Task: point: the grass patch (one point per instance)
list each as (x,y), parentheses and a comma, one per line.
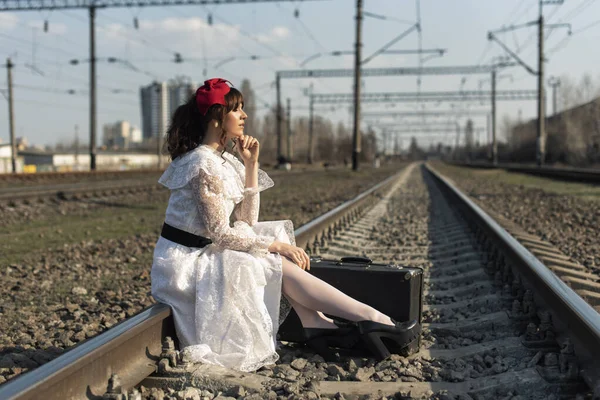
(297,196)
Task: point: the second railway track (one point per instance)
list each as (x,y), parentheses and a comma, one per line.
(497,323)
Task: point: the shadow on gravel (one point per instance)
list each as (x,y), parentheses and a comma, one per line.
(114,205)
(19,359)
(451,247)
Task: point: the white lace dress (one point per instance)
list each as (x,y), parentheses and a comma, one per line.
(226,296)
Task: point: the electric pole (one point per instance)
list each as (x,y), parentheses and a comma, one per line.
(457,141)
(489,135)
(92,10)
(541,131)
(279,119)
(554,84)
(11,117)
(357,62)
(541,134)
(91,6)
(494,141)
(289,129)
(310,125)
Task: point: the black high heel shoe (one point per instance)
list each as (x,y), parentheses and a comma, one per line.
(398,336)
(321,340)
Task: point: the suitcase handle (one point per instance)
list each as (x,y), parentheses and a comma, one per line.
(360,260)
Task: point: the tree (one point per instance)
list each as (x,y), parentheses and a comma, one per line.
(506,130)
(469,138)
(414,151)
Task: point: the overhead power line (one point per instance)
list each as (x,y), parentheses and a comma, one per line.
(23,5)
(344,73)
(92,6)
(475,95)
(420,113)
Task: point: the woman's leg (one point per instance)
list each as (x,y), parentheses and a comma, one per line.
(310,318)
(314,294)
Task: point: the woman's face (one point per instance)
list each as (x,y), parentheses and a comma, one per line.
(233,123)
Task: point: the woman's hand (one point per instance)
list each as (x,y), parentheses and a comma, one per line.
(295,254)
(248,148)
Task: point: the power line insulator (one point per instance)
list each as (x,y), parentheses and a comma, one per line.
(46,25)
(136,23)
(210,19)
(178,58)
(296,13)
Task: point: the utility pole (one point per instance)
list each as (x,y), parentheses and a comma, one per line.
(289,129)
(457,140)
(541,133)
(357,62)
(311,107)
(494,141)
(11,117)
(488,137)
(554,83)
(91,6)
(541,130)
(92,10)
(158,149)
(279,118)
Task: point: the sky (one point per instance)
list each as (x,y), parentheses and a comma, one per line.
(45,113)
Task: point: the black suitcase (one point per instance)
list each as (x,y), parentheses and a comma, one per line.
(394,290)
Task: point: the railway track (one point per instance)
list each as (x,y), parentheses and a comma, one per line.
(497,322)
(25,179)
(76,185)
(48,178)
(561,173)
(66,191)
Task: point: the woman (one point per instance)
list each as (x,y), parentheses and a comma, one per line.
(224,283)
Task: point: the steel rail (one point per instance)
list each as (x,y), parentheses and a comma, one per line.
(585,175)
(73,189)
(571,315)
(129,349)
(132,348)
(24,176)
(67,191)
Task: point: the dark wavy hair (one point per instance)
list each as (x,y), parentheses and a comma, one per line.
(188,127)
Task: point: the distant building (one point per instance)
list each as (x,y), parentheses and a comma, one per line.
(179,93)
(42,161)
(117,135)
(155,110)
(572,136)
(121,135)
(22,143)
(135,135)
(159,101)
(6,161)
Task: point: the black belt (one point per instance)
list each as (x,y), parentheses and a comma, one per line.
(182,237)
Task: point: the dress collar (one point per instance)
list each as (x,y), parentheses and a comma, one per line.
(211,149)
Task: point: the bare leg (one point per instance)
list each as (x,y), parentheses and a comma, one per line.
(311,318)
(315,294)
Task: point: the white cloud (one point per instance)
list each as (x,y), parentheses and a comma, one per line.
(280,32)
(8,21)
(184,35)
(276,34)
(187,34)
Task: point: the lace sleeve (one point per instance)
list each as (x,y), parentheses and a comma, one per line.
(249,207)
(210,197)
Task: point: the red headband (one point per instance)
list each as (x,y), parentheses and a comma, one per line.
(212,92)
